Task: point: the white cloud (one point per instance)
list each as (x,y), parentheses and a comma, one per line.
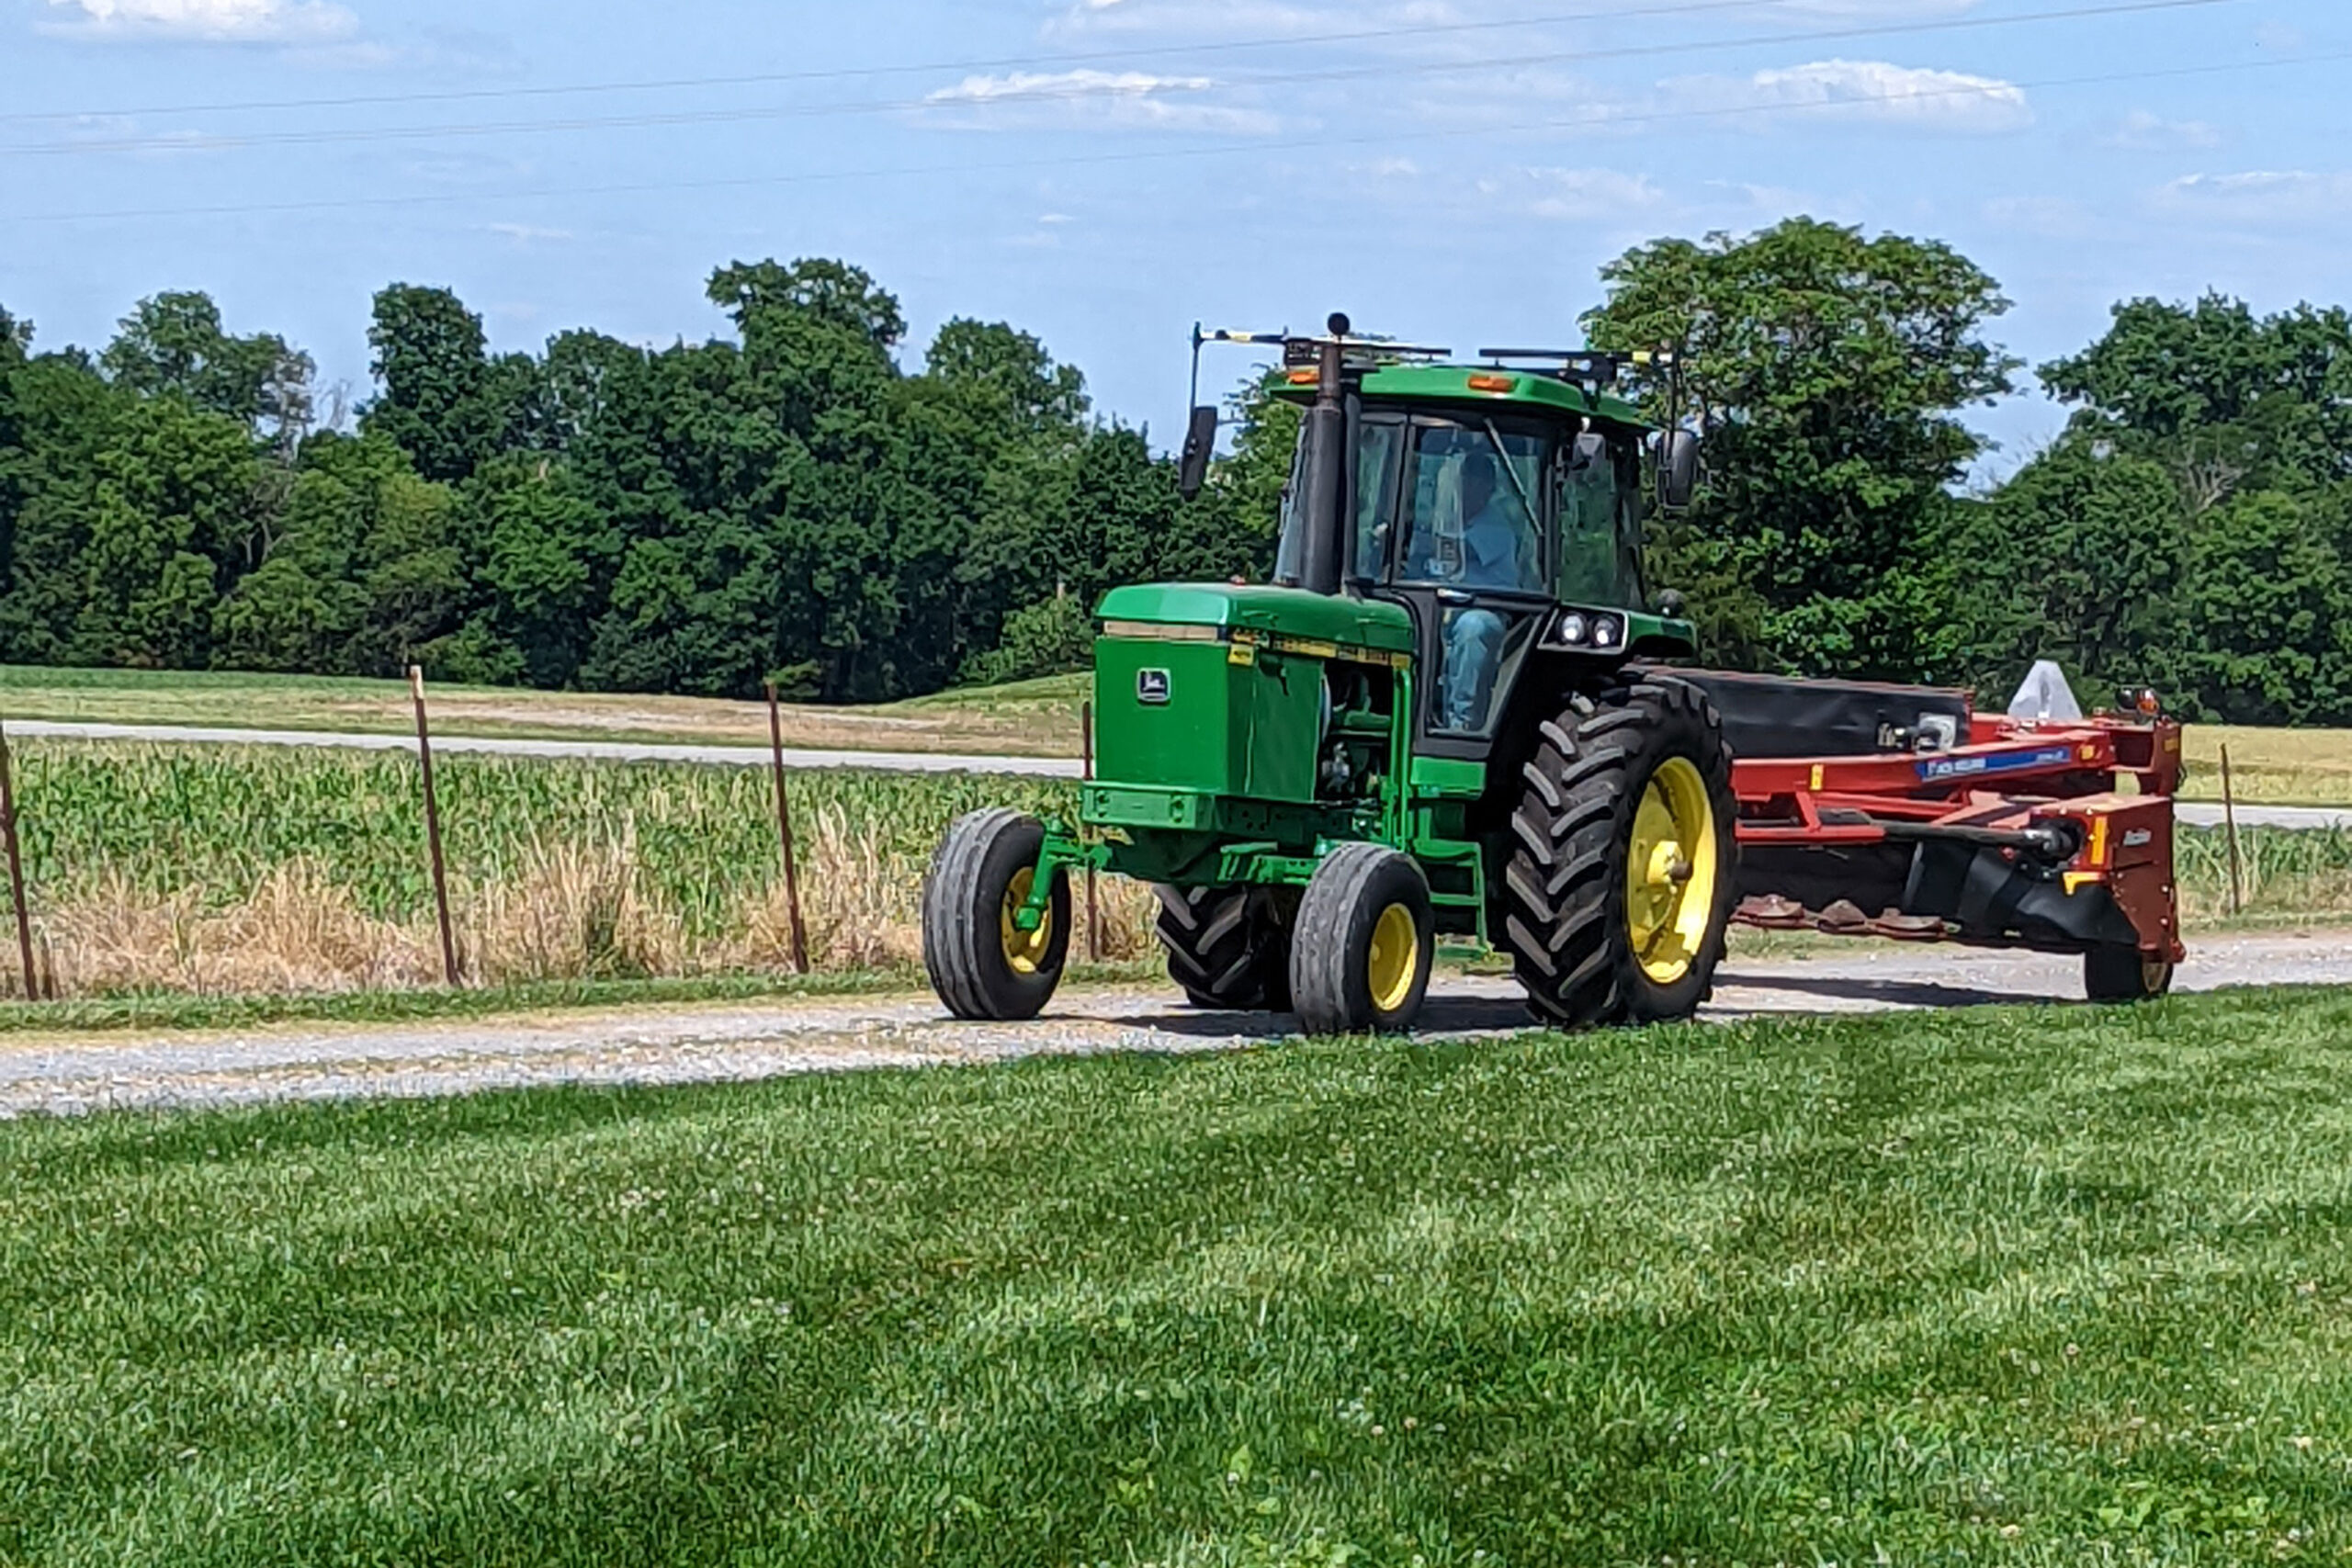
(2046,217)
(1867,89)
(206,21)
(1118,97)
(2142,132)
(2259,196)
(1579,194)
(530,234)
(1068,84)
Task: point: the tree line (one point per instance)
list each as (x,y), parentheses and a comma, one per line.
(789,505)
(797,502)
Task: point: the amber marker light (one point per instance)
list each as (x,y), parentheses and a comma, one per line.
(1494,383)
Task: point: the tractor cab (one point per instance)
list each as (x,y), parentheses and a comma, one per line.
(1501,508)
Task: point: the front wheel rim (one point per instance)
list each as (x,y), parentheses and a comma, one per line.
(1025,952)
(1671,866)
(1394,962)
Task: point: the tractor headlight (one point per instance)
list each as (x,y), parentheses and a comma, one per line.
(1604,631)
(1572,628)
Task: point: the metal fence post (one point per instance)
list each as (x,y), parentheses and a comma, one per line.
(1086,755)
(17,869)
(433,830)
(2229,817)
(784,833)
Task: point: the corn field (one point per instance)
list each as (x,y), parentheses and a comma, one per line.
(2280,873)
(232,869)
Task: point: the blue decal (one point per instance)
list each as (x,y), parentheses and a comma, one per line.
(1943,770)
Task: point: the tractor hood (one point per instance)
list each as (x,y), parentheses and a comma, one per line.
(1287,612)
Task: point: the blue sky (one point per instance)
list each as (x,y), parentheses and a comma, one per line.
(1105,172)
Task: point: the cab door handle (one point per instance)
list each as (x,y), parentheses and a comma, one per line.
(1453,596)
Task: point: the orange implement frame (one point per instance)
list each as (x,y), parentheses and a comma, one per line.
(2074,810)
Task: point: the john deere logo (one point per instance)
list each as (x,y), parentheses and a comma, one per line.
(1151,688)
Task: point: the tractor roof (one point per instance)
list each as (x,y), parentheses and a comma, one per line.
(1534,391)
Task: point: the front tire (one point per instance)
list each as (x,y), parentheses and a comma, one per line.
(1624,860)
(1228,947)
(1366,937)
(983,965)
(2116,973)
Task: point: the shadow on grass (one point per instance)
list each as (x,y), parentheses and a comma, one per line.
(1890,993)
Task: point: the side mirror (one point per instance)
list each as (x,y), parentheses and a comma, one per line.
(1677,469)
(1200,446)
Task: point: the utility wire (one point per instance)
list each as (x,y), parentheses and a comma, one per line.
(1589,122)
(1064,92)
(848,73)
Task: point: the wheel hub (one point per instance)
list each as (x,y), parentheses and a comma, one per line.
(1670,871)
(1024,951)
(1395,960)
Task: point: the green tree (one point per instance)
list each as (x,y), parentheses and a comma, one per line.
(1825,370)
(174,344)
(2267,615)
(361,575)
(2078,557)
(444,401)
(2228,401)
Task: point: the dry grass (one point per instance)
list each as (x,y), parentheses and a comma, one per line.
(295,931)
(573,910)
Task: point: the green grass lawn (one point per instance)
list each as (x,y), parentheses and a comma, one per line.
(2053,1287)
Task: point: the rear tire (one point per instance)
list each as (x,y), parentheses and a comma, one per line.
(1228,947)
(2117,973)
(1609,915)
(1361,953)
(983,966)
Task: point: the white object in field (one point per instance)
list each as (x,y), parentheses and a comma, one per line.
(2045,696)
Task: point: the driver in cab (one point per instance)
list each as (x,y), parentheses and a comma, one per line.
(1491,554)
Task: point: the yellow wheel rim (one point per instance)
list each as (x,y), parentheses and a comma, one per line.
(1671,870)
(1394,962)
(1024,951)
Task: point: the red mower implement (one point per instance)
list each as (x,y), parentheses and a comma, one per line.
(1900,812)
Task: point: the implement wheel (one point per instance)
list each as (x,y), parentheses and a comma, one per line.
(2116,973)
(1228,947)
(983,965)
(1625,864)
(1361,953)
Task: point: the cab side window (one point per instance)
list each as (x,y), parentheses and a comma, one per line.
(1593,504)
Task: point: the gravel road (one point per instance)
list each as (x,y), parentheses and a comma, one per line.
(736,1043)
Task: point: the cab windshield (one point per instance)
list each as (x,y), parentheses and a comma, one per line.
(1474,513)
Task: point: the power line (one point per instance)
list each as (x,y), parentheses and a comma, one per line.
(1072,93)
(1006,63)
(1165,154)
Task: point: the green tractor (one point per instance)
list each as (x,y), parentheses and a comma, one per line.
(1437,723)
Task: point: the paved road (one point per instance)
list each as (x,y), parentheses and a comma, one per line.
(600,751)
(736,1043)
(2297,816)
